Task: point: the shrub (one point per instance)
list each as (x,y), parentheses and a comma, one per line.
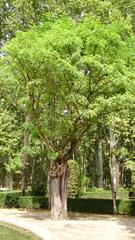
(126,207)
(73,180)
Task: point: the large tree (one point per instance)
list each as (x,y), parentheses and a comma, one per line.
(66,74)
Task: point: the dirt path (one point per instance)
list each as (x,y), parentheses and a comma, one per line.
(78,227)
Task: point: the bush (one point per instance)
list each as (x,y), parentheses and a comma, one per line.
(73,180)
(126,207)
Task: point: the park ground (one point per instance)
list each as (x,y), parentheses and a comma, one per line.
(77,227)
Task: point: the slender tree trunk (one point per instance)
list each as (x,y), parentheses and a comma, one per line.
(33,182)
(49,187)
(58,181)
(114,168)
(25,156)
(49,191)
(9,181)
(99,157)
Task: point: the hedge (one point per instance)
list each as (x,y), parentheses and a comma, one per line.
(32,202)
(15,199)
(103,206)
(9,199)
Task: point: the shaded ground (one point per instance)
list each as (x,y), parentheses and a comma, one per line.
(78,227)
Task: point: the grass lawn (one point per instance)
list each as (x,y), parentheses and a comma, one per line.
(105,194)
(13,233)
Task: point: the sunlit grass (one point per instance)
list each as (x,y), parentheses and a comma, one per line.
(12,233)
(105,194)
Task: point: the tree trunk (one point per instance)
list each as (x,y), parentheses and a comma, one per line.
(99,156)
(114,168)
(9,181)
(58,181)
(25,156)
(112,165)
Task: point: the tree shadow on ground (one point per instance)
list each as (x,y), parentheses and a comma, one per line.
(89,216)
(128,224)
(36,215)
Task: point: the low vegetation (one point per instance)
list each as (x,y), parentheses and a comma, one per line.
(11,233)
(89,205)
(105,194)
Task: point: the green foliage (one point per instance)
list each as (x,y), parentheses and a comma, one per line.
(90,55)
(104,194)
(91,205)
(104,206)
(31,202)
(14,199)
(126,207)
(9,199)
(84,181)
(73,179)
(130,164)
(70,70)
(10,136)
(126,8)
(39,181)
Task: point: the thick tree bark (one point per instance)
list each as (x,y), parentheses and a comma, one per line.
(58,181)
(25,156)
(59,172)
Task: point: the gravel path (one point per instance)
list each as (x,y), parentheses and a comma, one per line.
(78,227)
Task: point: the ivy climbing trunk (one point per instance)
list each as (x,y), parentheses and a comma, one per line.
(58,181)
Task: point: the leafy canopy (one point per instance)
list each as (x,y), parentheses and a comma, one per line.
(70,73)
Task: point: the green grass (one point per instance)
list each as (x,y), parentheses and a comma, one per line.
(13,233)
(105,194)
